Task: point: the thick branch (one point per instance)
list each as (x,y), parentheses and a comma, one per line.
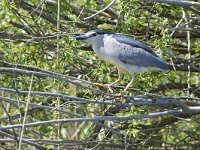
(109,118)
(178,2)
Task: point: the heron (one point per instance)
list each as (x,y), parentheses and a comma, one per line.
(126,53)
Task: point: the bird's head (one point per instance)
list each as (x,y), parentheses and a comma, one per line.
(92,36)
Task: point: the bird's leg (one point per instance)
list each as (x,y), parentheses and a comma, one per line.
(126,88)
(118,80)
(108,86)
(128,85)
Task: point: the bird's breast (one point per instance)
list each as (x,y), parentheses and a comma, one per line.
(110,57)
(109,51)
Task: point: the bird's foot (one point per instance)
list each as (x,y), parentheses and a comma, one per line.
(105,86)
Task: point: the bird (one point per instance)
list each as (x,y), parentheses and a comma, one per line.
(126,53)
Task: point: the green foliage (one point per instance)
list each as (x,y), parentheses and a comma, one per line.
(29,43)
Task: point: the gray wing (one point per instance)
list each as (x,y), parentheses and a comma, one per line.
(139,57)
(134,43)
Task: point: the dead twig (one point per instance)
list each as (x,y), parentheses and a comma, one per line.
(109,5)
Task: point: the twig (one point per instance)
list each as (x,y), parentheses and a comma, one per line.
(58,66)
(9,100)
(32,68)
(46,74)
(110,12)
(28,38)
(100,10)
(63,96)
(72,142)
(9,119)
(174,29)
(27,141)
(189,54)
(25,114)
(55,109)
(174,85)
(17,116)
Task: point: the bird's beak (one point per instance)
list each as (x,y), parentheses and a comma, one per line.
(82,37)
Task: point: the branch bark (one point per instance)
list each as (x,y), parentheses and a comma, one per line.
(108,118)
(178,2)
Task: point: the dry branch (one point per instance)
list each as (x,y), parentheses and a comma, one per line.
(46,74)
(108,118)
(179,2)
(109,5)
(9,100)
(37,146)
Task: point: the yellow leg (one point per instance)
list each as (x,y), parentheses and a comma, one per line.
(108,86)
(118,80)
(126,88)
(128,85)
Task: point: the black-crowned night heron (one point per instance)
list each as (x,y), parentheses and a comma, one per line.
(128,54)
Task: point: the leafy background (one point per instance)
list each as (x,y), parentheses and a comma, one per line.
(47,78)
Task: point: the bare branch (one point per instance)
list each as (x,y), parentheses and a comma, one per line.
(10,122)
(29,112)
(109,118)
(113,1)
(9,100)
(24,37)
(46,74)
(131,101)
(37,106)
(24,140)
(73,142)
(178,2)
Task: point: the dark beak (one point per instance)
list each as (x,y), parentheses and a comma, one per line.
(82,37)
